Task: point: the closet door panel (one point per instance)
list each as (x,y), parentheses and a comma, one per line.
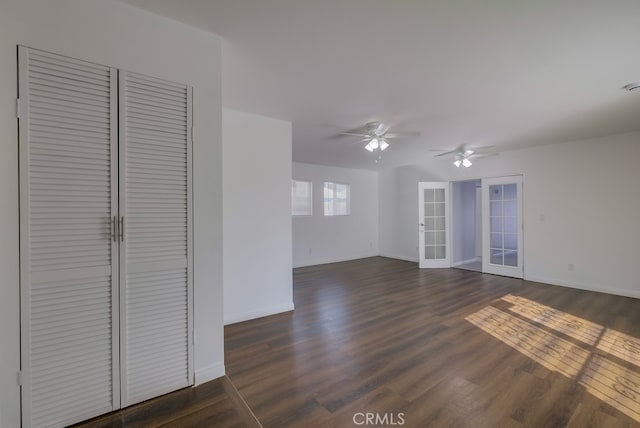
(68,265)
(155,205)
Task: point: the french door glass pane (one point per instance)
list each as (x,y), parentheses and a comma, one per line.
(496,224)
(434,224)
(496,208)
(510,208)
(510,241)
(510,191)
(429,209)
(495,193)
(429,195)
(430,238)
(430,223)
(511,225)
(503,224)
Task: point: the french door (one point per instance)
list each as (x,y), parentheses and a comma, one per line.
(105,238)
(433,222)
(502,226)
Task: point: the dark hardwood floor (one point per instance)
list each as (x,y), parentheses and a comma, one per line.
(379,338)
(212,404)
(379,342)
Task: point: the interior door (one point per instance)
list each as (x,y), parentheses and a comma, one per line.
(68,264)
(502,226)
(433,220)
(155,233)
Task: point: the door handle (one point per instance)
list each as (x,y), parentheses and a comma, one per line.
(122,228)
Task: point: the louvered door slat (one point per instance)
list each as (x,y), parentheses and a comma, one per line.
(67,148)
(155,202)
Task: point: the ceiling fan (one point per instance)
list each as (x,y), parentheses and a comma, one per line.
(463,154)
(377,136)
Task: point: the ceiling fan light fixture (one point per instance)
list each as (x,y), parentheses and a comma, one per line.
(466,163)
(383,145)
(374,143)
(468,153)
(368,147)
(457,163)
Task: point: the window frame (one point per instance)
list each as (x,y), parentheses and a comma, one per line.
(347,199)
(310,198)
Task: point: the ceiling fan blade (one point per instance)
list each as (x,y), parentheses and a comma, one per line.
(446,153)
(355,134)
(402,135)
(363,140)
(482,155)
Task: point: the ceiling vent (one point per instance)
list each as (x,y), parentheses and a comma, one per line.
(632,87)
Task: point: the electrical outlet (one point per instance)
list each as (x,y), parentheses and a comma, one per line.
(310,250)
(571,267)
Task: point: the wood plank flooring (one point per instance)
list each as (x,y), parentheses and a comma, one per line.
(212,404)
(380,338)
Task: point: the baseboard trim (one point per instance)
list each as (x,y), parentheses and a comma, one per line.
(258,313)
(399,257)
(335,260)
(580,286)
(464,262)
(211,372)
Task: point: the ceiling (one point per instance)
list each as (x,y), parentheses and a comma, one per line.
(494,72)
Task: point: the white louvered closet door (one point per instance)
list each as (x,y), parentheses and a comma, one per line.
(68,197)
(155,254)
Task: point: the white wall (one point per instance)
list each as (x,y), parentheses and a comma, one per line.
(319,239)
(112,33)
(398,210)
(580,207)
(257,216)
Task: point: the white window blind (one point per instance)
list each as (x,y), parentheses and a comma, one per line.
(336,199)
(301,198)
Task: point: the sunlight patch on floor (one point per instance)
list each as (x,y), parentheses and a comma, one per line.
(621,345)
(551,351)
(613,384)
(608,381)
(578,328)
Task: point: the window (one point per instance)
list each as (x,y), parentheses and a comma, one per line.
(301,201)
(336,199)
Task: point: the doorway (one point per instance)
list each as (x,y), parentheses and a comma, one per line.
(466,225)
(475,225)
